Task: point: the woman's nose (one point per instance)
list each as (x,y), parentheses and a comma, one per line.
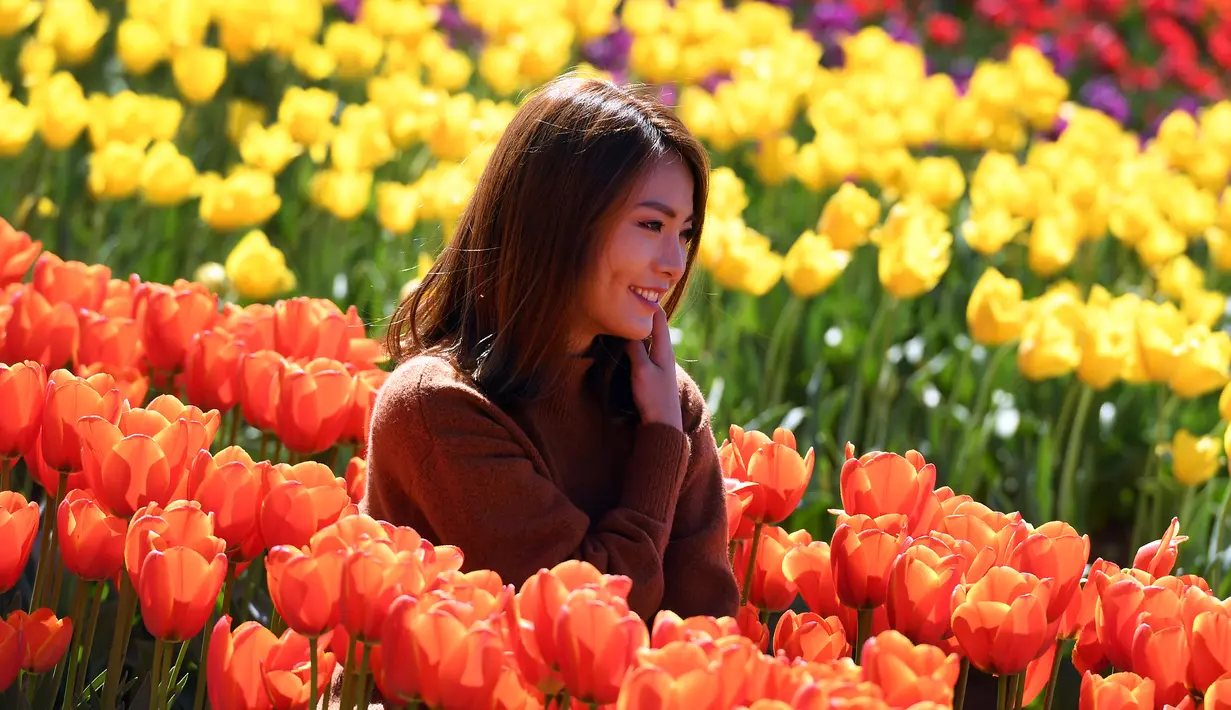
(671,259)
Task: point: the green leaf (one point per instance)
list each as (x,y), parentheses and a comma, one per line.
(1044,470)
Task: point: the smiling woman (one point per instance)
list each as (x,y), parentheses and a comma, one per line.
(537,414)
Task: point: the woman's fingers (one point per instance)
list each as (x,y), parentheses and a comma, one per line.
(661,352)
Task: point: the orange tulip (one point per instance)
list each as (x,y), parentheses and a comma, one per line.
(1217,696)
(212,369)
(1119,607)
(885,483)
(861,557)
(259,380)
(22,388)
(306,588)
(652,688)
(143,457)
(441,661)
(356,478)
(1000,621)
(17,253)
(355,531)
(1211,648)
(118,300)
(286,671)
(310,328)
(314,404)
(748,618)
(133,385)
(780,473)
(921,585)
(252,326)
(1119,691)
(110,341)
(180,524)
(171,316)
(69,399)
(738,498)
(91,541)
(46,638)
(233,672)
(596,642)
(373,576)
(1054,550)
(983,527)
(38,329)
(18,527)
(908,673)
(812,637)
(299,501)
(769,587)
(228,485)
(12,648)
(179,588)
(366,384)
(79,285)
(1161,653)
(1158,557)
(669,627)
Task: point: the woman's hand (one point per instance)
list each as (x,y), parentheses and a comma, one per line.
(655,389)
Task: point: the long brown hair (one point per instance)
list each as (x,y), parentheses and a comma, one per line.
(498,301)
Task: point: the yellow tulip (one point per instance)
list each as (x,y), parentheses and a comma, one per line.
(17,15)
(115,170)
(314,61)
(1194,460)
(727,197)
(167,177)
(1202,359)
(828,160)
(1051,339)
(268,149)
(848,217)
(257,269)
(498,67)
(62,110)
(940,181)
(1162,243)
(344,194)
(1108,341)
(246,198)
(812,264)
(240,115)
(354,47)
(36,61)
(1132,217)
(988,230)
(397,206)
(140,46)
(1160,328)
(1219,243)
(361,142)
(199,73)
(1178,276)
(995,313)
(1204,307)
(1224,403)
(308,114)
(1177,137)
(1053,242)
(450,71)
(912,263)
(774,160)
(17,124)
(73,28)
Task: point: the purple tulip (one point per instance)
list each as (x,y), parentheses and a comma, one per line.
(713,81)
(830,18)
(350,8)
(609,52)
(458,30)
(1102,94)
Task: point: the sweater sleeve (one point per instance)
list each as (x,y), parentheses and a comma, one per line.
(480,485)
(697,572)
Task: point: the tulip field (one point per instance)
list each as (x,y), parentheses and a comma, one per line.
(961,317)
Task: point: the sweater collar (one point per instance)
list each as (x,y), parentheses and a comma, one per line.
(568,388)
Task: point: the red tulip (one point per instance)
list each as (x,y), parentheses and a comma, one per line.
(12,649)
(1158,557)
(769,589)
(314,405)
(1211,648)
(170,317)
(115,342)
(1000,621)
(46,638)
(233,672)
(861,557)
(306,588)
(79,285)
(38,329)
(812,637)
(68,400)
(888,484)
(91,541)
(910,674)
(18,527)
(310,328)
(299,501)
(17,253)
(22,388)
(921,585)
(1121,691)
(228,485)
(259,380)
(286,671)
(212,369)
(179,588)
(597,642)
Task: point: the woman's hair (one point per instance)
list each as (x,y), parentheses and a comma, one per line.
(499,300)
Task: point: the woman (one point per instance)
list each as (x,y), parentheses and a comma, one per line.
(528,422)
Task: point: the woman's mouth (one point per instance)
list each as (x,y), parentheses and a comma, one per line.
(648,296)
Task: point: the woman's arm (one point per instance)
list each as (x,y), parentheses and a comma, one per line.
(696,569)
(481,485)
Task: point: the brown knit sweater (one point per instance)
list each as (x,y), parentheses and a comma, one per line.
(556,479)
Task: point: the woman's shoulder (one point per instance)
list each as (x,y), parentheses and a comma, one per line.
(428,385)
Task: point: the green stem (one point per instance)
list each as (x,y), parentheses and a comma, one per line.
(854,417)
(74,688)
(1002,692)
(168,695)
(156,674)
(365,691)
(959,692)
(752,563)
(125,606)
(1072,454)
(348,676)
(1149,483)
(312,689)
(1049,695)
(778,357)
(1020,695)
(6,469)
(76,610)
(961,474)
(1213,570)
(863,632)
(46,565)
(198,700)
(233,435)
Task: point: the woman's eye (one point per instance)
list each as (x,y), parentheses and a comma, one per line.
(687,234)
(653,225)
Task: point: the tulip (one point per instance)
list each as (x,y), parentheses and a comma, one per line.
(862,555)
(1194,460)
(908,673)
(172,316)
(889,484)
(91,541)
(80,285)
(1217,696)
(22,388)
(448,665)
(306,588)
(46,638)
(812,637)
(17,253)
(314,404)
(257,269)
(848,216)
(111,341)
(38,329)
(293,510)
(367,384)
(199,72)
(1202,359)
(18,527)
(1211,648)
(669,628)
(921,584)
(180,524)
(763,582)
(12,649)
(287,670)
(1121,603)
(1054,550)
(260,378)
(212,370)
(233,673)
(178,591)
(228,486)
(1158,557)
(654,687)
(1120,691)
(68,400)
(597,643)
(356,478)
(310,328)
(1161,653)
(1000,621)
(812,264)
(995,312)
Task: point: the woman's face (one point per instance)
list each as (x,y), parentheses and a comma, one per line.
(642,258)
